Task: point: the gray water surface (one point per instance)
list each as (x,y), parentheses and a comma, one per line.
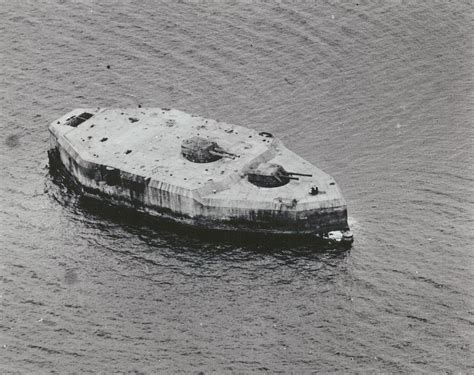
(379,95)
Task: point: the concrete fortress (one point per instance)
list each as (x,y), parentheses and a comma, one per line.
(197,171)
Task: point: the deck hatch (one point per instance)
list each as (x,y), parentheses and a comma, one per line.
(75,121)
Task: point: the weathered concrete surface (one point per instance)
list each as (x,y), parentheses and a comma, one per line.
(133,157)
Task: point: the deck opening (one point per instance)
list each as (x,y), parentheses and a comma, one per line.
(75,121)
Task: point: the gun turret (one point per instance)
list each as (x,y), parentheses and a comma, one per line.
(272,175)
(203,150)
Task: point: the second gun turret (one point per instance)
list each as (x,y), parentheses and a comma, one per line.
(272,175)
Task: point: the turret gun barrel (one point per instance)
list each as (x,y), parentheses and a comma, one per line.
(222,153)
(299,174)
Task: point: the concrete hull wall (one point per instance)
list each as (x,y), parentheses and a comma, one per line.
(180,205)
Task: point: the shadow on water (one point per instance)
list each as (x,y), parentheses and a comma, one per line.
(156,232)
